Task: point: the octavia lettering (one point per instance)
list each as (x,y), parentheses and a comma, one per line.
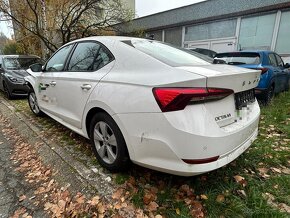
(223,117)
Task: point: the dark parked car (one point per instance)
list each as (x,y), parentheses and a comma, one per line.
(274,76)
(207,52)
(12,72)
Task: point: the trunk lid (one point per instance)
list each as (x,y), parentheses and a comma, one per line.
(225,76)
(235,107)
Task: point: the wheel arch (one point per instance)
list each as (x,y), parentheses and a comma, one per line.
(99,108)
(30,82)
(29,85)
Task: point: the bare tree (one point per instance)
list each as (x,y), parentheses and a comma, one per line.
(56,22)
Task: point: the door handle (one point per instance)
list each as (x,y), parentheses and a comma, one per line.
(52,83)
(86,87)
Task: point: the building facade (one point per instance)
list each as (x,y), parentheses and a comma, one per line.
(222,25)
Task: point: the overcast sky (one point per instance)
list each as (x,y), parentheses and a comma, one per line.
(143,8)
(147,7)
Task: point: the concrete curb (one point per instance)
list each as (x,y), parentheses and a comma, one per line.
(71,172)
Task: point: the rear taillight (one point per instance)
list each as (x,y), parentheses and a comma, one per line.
(264,70)
(174,99)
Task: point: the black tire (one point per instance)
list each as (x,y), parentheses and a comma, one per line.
(269,94)
(287,85)
(106,146)
(8,95)
(34,106)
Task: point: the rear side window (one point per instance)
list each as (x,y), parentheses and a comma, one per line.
(239,58)
(279,61)
(272,60)
(89,56)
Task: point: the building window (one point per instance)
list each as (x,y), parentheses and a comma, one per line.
(215,30)
(257,32)
(283,45)
(173,36)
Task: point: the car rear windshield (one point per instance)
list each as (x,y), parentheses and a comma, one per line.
(19,63)
(238,58)
(169,54)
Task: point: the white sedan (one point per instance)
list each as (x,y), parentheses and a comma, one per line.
(147,102)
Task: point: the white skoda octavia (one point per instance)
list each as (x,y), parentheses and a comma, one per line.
(141,100)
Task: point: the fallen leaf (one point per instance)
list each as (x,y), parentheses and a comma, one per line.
(242,193)
(276,170)
(22,198)
(152,206)
(184,188)
(101,209)
(18,212)
(203,197)
(177,210)
(284,207)
(61,204)
(196,209)
(118,206)
(25,215)
(263,170)
(148,197)
(80,199)
(118,194)
(220,198)
(47,205)
(95,200)
(241,180)
(286,171)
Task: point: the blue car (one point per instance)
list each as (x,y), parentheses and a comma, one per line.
(275,74)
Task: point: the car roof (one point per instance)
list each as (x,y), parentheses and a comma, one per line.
(19,56)
(248,51)
(105,38)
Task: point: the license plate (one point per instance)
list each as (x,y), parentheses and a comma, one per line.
(242,99)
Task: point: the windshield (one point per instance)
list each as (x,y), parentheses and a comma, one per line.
(168,54)
(19,63)
(239,58)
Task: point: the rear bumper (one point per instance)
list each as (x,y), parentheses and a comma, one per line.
(161,141)
(182,169)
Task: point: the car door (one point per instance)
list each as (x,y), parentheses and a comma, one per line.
(275,72)
(89,62)
(282,73)
(44,82)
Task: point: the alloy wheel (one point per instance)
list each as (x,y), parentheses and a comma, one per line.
(105,142)
(33,103)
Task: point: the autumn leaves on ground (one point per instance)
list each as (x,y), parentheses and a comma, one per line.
(256,184)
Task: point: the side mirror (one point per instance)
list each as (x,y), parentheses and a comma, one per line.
(0,66)
(219,61)
(36,67)
(287,65)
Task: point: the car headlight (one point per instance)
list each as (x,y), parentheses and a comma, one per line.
(16,79)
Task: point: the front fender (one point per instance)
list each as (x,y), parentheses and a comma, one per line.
(30,81)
